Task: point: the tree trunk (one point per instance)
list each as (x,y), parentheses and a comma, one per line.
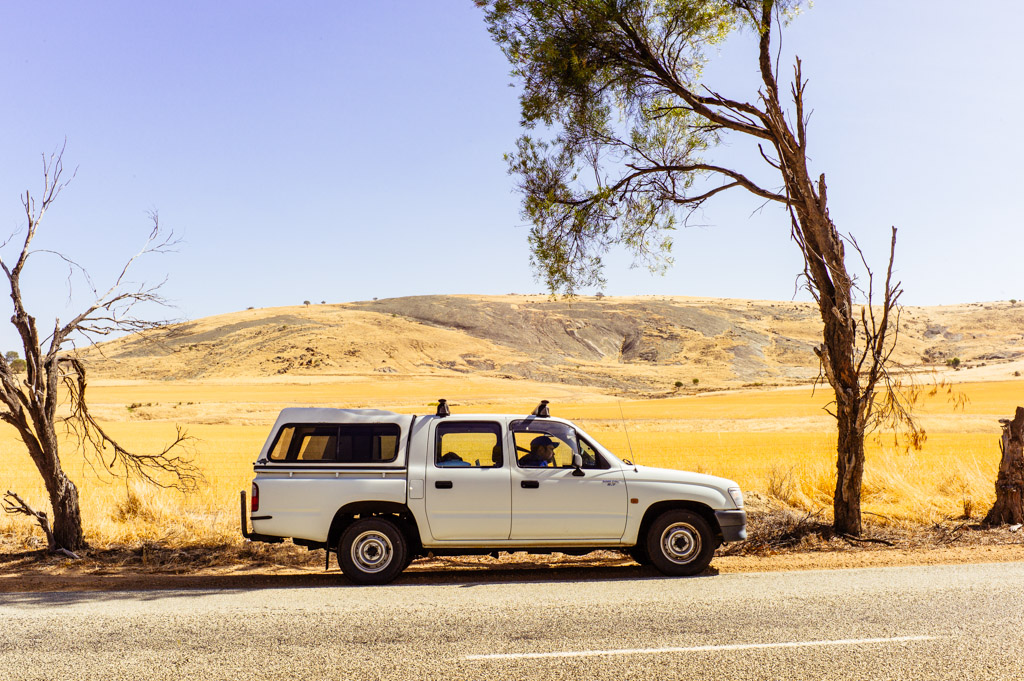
(67,516)
(849,467)
(1009,506)
(63,493)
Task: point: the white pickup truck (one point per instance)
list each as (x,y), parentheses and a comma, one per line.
(381,488)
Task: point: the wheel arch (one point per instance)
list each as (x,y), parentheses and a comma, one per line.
(396,512)
(656,509)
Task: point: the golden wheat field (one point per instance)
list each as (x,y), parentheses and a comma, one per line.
(778,443)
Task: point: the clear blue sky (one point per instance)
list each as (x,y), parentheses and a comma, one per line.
(347,150)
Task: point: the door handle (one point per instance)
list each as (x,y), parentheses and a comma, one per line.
(530,484)
(443,484)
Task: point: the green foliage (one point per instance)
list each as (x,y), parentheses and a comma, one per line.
(615,87)
(14,360)
(954,362)
(696,381)
(679,384)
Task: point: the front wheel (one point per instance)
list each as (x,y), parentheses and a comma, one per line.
(680,543)
(372,551)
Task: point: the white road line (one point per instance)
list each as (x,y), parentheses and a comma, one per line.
(697,649)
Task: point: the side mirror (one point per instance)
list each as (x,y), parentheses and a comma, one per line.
(577,463)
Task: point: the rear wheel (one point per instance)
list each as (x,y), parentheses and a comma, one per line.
(372,551)
(680,543)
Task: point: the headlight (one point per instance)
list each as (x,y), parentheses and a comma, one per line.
(737,496)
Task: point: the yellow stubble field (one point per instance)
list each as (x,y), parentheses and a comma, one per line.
(778,443)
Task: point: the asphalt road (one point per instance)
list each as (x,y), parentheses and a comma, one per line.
(949,622)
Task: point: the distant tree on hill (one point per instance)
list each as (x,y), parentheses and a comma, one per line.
(18,365)
(54,377)
(617,83)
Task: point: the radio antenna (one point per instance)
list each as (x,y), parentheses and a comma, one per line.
(626,431)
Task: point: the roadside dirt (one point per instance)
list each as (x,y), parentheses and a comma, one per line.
(289,566)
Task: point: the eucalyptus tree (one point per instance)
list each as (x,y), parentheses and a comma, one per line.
(628,131)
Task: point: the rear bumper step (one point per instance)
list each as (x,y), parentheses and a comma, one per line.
(254,536)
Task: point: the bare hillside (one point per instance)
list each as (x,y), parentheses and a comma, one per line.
(641,344)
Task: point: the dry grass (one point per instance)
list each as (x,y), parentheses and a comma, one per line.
(775,443)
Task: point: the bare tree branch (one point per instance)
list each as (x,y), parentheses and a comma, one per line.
(167,468)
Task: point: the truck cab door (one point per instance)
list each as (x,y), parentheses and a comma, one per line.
(555,502)
(468,488)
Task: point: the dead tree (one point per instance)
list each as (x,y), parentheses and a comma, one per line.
(29,401)
(1009,506)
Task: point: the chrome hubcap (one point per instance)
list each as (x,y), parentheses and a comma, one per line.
(372,551)
(680,543)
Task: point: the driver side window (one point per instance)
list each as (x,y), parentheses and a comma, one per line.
(543,444)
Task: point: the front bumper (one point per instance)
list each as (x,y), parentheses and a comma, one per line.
(733,524)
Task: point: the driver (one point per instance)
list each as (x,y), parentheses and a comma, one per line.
(542,453)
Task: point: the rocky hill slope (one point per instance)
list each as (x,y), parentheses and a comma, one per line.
(638,345)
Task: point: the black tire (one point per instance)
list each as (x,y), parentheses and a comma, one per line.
(680,543)
(372,551)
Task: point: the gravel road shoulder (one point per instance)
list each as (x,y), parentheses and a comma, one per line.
(33,572)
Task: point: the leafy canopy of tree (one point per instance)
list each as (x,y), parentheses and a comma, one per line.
(620,83)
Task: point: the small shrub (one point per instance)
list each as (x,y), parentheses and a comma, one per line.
(968,507)
(781,483)
(953,362)
(1016,373)
(1013,301)
(305,302)
(696,381)
(679,384)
